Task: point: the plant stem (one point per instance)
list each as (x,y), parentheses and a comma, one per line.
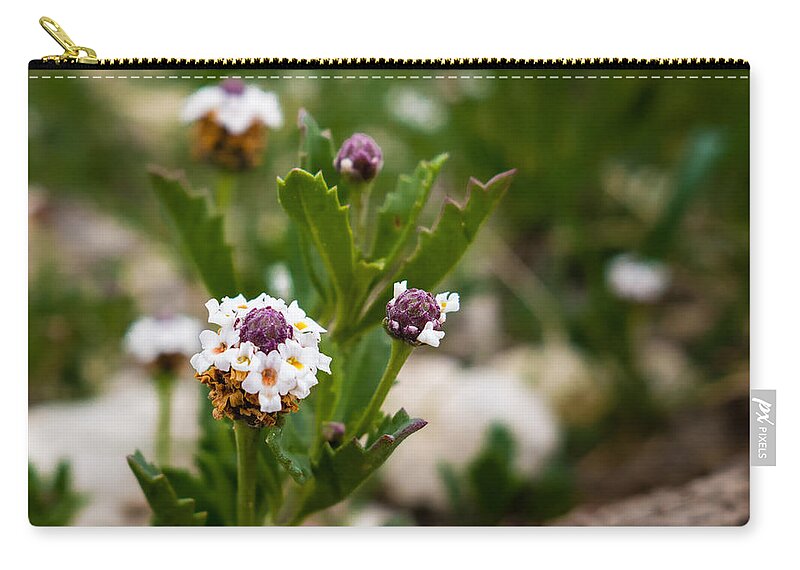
(226,183)
(400,352)
(165,381)
(246,460)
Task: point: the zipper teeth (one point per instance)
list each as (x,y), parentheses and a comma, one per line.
(390,63)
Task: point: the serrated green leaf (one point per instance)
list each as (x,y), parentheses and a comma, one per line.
(398,215)
(168,509)
(201,233)
(439,249)
(316,208)
(339,472)
(316,148)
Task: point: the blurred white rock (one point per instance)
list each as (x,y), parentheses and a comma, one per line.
(577,388)
(460,405)
(96,435)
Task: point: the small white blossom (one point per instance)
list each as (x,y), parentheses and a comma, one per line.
(234,106)
(429,336)
(243,359)
(632,278)
(218,350)
(301,323)
(270,377)
(151,337)
(448,303)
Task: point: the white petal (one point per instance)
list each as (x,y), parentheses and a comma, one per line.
(209,340)
(324,363)
(253,383)
(267,108)
(400,288)
(429,336)
(212,305)
(202,102)
(270,403)
(200,362)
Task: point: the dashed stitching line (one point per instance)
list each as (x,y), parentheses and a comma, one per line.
(401,77)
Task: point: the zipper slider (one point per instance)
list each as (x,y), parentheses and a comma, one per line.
(72,52)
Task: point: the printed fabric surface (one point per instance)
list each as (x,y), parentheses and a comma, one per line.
(388,293)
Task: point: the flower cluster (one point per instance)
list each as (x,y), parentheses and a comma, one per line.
(231,121)
(263,358)
(162,342)
(415,316)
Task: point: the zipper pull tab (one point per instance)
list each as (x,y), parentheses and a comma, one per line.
(72,52)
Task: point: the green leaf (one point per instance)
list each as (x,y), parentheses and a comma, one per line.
(290,452)
(492,479)
(168,509)
(316,208)
(439,249)
(316,148)
(401,208)
(339,472)
(52,500)
(362,375)
(201,233)
(701,154)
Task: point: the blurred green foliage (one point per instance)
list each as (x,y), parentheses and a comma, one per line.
(52,500)
(74,335)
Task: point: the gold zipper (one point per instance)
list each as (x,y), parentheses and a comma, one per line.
(72,52)
(79,56)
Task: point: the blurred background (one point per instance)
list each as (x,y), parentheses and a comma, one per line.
(598,371)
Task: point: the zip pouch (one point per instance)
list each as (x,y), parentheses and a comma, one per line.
(380,292)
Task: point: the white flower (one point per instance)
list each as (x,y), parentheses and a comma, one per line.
(448,303)
(222,314)
(218,350)
(245,343)
(323,360)
(150,337)
(235,106)
(270,377)
(245,354)
(301,323)
(637,279)
(304,359)
(430,336)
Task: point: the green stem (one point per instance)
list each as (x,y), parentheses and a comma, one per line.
(247,439)
(226,183)
(400,352)
(165,381)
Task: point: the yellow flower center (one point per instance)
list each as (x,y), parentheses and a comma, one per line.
(220,349)
(301,325)
(294,362)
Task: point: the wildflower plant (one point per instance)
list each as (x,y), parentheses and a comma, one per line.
(305,390)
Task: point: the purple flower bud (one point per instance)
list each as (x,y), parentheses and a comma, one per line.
(233,86)
(360,158)
(407,315)
(266,328)
(333,432)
